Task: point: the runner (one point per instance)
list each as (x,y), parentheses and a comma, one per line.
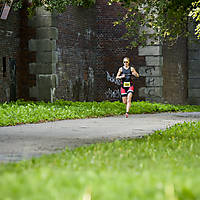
(127,89)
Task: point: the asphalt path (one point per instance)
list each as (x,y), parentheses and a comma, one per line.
(31,140)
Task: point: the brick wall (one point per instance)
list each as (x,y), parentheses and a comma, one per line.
(111,49)
(9,45)
(193,66)
(175,73)
(90,52)
(24,79)
(14,36)
(76,48)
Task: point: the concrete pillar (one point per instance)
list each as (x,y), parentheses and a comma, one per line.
(152,71)
(193,67)
(46,55)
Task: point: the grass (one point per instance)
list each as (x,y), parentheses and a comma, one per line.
(163,166)
(32,112)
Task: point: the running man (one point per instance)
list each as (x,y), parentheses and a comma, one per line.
(127,89)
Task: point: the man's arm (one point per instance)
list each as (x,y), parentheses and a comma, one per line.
(133,71)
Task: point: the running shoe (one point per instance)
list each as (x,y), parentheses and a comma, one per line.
(126,115)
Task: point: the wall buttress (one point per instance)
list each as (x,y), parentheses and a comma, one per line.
(46,55)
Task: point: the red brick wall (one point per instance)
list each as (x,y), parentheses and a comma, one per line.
(90,52)
(76,47)
(110,51)
(9,45)
(24,57)
(14,36)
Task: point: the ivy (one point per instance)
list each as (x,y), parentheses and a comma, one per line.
(51,5)
(195,14)
(148,21)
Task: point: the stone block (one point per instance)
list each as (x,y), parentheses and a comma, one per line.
(42,68)
(150,51)
(194,68)
(45,88)
(154,81)
(151,41)
(194,93)
(44,21)
(47,57)
(41,11)
(33,92)
(193,44)
(194,101)
(150,71)
(149,92)
(32,45)
(194,54)
(47,33)
(194,83)
(154,60)
(42,45)
(146,30)
(46,81)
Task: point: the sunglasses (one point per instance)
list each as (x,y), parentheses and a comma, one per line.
(125,61)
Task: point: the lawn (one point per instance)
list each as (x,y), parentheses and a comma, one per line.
(162,166)
(32,112)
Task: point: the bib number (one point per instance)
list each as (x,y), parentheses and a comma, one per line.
(127,84)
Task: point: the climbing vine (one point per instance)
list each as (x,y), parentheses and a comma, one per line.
(153,20)
(56,5)
(195,14)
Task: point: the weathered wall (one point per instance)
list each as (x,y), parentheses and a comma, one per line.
(76,48)
(90,52)
(84,50)
(193,67)
(9,45)
(15,79)
(25,80)
(46,56)
(175,73)
(111,49)
(152,71)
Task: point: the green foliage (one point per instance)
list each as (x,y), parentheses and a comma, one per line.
(195,14)
(164,166)
(31,112)
(52,5)
(168,20)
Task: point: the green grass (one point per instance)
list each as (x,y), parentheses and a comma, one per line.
(163,166)
(31,112)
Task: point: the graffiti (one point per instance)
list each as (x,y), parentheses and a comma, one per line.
(151,92)
(115,94)
(6,33)
(53,90)
(150,81)
(112,79)
(150,70)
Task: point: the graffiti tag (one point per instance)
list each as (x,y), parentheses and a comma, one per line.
(112,79)
(113,93)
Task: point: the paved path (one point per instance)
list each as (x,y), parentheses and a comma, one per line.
(25,141)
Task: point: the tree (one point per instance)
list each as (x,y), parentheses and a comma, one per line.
(195,14)
(56,5)
(167,18)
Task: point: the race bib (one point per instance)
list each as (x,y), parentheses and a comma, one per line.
(127,84)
